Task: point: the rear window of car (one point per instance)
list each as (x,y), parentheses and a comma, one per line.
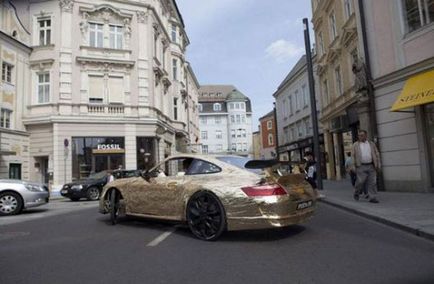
(238,162)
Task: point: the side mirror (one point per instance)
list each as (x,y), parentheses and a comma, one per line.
(147,175)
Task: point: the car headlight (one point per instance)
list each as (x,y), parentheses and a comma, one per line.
(34,188)
(77,187)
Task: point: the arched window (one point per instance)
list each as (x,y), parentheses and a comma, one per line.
(217,107)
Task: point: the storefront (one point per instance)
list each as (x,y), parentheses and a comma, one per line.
(294,152)
(95,154)
(417,96)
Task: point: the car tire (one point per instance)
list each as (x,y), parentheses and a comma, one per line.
(114,206)
(93,193)
(206,216)
(11,203)
(74,198)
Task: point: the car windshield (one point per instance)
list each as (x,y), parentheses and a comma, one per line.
(98,175)
(238,162)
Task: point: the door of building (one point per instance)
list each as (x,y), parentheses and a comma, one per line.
(15,171)
(429,111)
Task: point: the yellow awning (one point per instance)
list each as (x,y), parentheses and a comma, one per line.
(418,90)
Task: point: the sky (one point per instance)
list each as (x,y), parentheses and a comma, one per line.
(251,44)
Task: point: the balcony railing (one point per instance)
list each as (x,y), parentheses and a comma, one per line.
(106,109)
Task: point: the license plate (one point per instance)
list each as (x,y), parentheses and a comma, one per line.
(304,205)
(64,191)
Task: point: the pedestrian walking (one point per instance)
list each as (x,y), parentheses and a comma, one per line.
(311,172)
(349,168)
(366,160)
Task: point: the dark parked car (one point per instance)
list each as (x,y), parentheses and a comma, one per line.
(91,187)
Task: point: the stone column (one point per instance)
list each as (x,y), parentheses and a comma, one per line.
(144,61)
(328,146)
(65,59)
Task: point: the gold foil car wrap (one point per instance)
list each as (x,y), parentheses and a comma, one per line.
(167,197)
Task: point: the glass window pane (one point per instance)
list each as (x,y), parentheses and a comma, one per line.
(412,16)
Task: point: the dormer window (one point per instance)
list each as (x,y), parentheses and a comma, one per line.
(217,107)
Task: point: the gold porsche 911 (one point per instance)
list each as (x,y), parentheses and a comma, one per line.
(212,194)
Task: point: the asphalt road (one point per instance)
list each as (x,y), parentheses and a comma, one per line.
(75,244)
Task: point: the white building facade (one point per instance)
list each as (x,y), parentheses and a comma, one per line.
(293,112)
(225,120)
(109,86)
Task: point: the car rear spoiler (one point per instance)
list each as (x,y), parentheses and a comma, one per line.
(260,164)
(263,164)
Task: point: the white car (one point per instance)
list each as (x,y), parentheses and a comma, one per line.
(16,195)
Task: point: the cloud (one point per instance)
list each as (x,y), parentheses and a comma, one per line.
(282,50)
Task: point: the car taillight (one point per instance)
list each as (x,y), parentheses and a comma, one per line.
(264,190)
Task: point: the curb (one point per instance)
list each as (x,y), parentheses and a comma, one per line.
(417,232)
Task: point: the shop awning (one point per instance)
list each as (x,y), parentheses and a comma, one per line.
(418,90)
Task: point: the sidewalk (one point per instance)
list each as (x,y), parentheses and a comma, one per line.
(412,212)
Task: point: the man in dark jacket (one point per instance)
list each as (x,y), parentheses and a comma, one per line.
(310,171)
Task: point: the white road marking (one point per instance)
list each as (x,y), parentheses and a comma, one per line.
(160,238)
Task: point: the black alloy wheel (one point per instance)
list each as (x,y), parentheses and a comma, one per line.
(93,193)
(114,206)
(10,203)
(206,216)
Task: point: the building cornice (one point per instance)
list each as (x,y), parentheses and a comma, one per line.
(14,131)
(86,59)
(12,41)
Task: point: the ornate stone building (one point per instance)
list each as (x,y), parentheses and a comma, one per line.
(109,86)
(341,79)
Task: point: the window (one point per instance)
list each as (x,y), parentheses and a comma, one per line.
(284,109)
(204,135)
(219,148)
(321,44)
(305,96)
(200,107)
(238,118)
(243,118)
(239,147)
(218,134)
(96,35)
(234,147)
(44,26)
(231,106)
(175,69)
(417,13)
(325,87)
(116,89)
(96,89)
(333,31)
(308,127)
(232,118)
(285,135)
(204,149)
(5,119)
(243,105)
(43,88)
(237,106)
(173,33)
(300,129)
(243,131)
(217,107)
(348,6)
(269,125)
(175,108)
(7,72)
(238,133)
(270,139)
(244,147)
(290,105)
(297,100)
(233,133)
(203,120)
(338,77)
(218,120)
(116,37)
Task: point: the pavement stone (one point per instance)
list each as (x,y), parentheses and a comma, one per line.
(412,212)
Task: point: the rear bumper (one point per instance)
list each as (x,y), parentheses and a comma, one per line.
(267,222)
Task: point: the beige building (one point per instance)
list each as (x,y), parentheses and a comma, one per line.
(344,107)
(14,87)
(402,64)
(109,86)
(256,145)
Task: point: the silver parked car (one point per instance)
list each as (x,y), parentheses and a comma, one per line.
(16,195)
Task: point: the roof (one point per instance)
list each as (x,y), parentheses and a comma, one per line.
(271,113)
(236,95)
(215,93)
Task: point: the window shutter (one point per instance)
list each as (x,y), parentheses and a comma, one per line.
(96,87)
(116,88)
